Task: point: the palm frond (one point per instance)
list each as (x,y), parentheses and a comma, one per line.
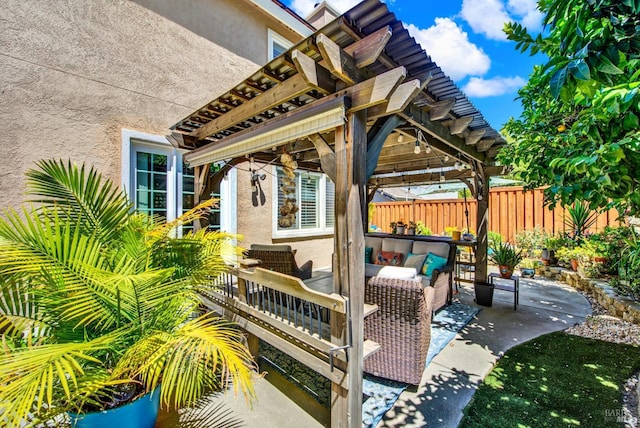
(79,194)
(30,375)
(61,263)
(165,229)
(204,353)
(20,314)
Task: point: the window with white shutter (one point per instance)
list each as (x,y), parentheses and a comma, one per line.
(314,198)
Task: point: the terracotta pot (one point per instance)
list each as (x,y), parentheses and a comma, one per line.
(505,271)
(599,259)
(574,265)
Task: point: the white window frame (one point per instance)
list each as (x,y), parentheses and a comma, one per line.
(322,230)
(273,37)
(134,141)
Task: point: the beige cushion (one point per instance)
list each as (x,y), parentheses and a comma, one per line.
(398,246)
(261,247)
(373,242)
(438,248)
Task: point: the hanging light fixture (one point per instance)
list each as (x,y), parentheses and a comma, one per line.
(446,158)
(442,179)
(400,138)
(458,165)
(416,149)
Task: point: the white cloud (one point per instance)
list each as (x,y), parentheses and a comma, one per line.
(489,16)
(481,88)
(304,7)
(528,13)
(451,49)
(486,17)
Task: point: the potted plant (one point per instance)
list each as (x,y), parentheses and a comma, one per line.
(393,226)
(507,257)
(453,232)
(528,267)
(100,306)
(400,227)
(568,256)
(411,228)
(550,244)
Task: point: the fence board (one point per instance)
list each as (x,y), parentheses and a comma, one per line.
(510,212)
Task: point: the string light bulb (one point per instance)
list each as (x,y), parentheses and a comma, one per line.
(473,172)
(458,165)
(400,138)
(442,179)
(446,158)
(416,149)
(427,149)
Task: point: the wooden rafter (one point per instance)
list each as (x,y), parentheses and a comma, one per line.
(457,126)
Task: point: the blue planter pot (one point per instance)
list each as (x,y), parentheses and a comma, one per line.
(141,413)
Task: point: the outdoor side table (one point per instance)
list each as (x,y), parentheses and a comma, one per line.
(511,285)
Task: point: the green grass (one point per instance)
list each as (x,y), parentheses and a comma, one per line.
(556,380)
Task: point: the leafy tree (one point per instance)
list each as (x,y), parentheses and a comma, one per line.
(579,130)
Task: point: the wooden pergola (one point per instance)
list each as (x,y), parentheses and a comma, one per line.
(353,100)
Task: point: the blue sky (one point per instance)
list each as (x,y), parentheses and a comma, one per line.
(465,38)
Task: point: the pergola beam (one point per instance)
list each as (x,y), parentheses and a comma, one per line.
(400,99)
(340,64)
(367,50)
(375,140)
(441,109)
(316,76)
(290,88)
(375,90)
(457,126)
(327,156)
(474,136)
(420,119)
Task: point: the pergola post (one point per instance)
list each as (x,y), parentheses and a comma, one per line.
(481,184)
(350,150)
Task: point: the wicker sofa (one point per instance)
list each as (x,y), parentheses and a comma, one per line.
(441,279)
(280,258)
(402,327)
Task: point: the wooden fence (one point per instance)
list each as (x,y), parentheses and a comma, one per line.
(511,210)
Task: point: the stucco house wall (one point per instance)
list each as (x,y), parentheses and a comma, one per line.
(73,74)
(255,223)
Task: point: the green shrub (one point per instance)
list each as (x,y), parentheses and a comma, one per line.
(531,240)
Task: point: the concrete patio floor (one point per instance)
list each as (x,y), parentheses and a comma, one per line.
(451,379)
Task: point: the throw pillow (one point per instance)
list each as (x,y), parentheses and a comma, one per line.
(368,252)
(415,261)
(388,258)
(431,263)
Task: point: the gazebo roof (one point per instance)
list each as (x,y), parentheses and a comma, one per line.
(368,59)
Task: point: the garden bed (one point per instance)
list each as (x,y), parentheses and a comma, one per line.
(618,306)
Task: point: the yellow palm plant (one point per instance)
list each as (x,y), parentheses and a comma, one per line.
(97,297)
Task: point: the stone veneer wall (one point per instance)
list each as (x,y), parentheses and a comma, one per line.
(621,307)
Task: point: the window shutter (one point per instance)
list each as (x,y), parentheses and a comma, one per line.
(309,186)
(330,195)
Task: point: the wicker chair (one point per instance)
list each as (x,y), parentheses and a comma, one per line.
(280,258)
(402,326)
